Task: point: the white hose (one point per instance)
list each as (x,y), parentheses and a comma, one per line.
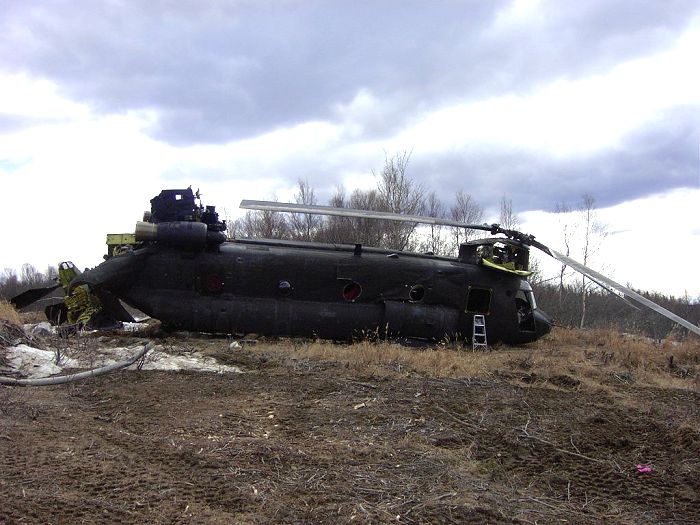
(44,381)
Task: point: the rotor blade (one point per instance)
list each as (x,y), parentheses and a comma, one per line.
(350,212)
(31,296)
(599,278)
(605,287)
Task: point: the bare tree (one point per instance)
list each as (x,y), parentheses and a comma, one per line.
(568,228)
(51,273)
(337,229)
(371,232)
(304,226)
(395,193)
(468,211)
(435,242)
(351,230)
(592,237)
(9,283)
(401,195)
(233,226)
(233,229)
(508,219)
(263,224)
(30,276)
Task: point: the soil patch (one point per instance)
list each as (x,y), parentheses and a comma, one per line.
(319,441)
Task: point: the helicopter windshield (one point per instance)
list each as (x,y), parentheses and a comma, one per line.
(525,305)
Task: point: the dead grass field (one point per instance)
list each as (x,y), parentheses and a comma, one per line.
(8,313)
(592,358)
(314,432)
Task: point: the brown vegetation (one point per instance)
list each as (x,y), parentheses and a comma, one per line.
(369,433)
(597,356)
(10,330)
(8,313)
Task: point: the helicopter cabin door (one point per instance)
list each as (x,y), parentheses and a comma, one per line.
(478,300)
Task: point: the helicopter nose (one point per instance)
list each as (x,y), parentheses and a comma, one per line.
(543,323)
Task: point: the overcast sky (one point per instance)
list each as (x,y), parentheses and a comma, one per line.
(102,104)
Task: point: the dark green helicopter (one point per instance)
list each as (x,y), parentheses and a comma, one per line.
(182,270)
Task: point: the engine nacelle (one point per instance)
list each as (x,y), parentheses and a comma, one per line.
(179,234)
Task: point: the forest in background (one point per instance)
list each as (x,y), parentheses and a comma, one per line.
(571,300)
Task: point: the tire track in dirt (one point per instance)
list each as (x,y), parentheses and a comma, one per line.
(288,443)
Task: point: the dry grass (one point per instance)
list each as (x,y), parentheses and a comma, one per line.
(8,313)
(594,354)
(10,329)
(566,358)
(390,359)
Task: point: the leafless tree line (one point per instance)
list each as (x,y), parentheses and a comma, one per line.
(13,283)
(396,192)
(605,310)
(582,236)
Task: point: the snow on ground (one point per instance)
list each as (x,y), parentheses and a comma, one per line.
(34,362)
(159,359)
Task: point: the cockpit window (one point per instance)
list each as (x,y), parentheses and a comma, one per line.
(525,304)
(507,255)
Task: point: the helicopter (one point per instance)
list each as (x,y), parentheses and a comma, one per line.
(180,268)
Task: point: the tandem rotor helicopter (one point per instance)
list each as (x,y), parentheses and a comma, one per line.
(179,267)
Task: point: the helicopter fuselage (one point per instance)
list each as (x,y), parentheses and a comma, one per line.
(329,291)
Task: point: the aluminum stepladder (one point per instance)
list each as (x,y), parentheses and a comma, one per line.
(479,333)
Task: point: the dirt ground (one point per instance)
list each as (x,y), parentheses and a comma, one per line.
(306,438)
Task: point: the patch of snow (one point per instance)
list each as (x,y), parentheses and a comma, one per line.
(34,362)
(132,327)
(42,329)
(160,360)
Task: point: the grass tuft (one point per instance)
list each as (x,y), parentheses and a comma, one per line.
(8,313)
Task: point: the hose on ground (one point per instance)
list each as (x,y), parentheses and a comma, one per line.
(58,380)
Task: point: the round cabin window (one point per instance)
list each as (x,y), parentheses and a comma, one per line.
(284,288)
(213,283)
(352,291)
(416,293)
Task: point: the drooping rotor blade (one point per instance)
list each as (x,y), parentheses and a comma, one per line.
(360,214)
(604,286)
(606,282)
(31,296)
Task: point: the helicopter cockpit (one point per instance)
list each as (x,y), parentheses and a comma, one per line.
(498,253)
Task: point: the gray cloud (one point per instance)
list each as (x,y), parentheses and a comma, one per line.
(223,71)
(217,75)
(13,123)
(651,160)
(648,161)
(219,72)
